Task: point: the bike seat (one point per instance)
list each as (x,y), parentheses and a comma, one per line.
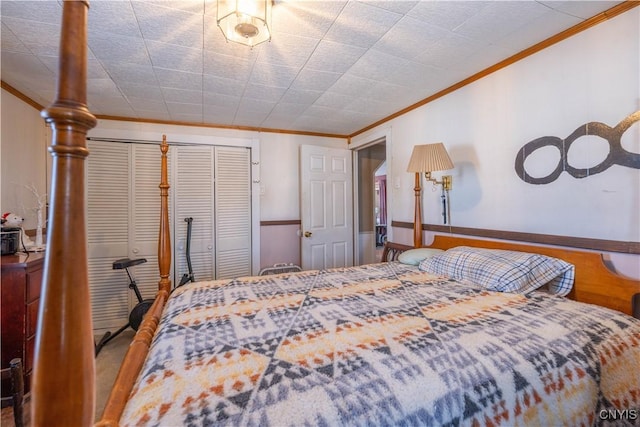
(126,263)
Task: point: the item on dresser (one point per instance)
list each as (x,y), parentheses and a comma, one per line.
(10,240)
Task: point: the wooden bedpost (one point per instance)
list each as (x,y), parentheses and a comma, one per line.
(63,383)
(164,238)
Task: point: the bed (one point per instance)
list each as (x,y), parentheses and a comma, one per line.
(382,344)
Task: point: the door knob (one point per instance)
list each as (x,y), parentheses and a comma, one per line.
(307,234)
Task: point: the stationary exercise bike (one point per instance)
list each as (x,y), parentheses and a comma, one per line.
(138,312)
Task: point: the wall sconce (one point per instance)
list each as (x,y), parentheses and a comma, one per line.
(427,158)
(246,22)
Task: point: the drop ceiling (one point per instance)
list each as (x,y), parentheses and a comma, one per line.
(332,67)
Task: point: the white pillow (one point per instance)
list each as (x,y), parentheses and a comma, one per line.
(415,256)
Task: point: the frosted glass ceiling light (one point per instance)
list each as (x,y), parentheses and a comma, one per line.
(245,21)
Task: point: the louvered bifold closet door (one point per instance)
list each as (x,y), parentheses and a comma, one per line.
(145,216)
(107,198)
(193,189)
(233,212)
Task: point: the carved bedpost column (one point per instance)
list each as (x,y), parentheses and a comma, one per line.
(63,384)
(164,239)
(417,217)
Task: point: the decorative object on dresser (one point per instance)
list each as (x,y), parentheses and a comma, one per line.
(21,284)
(428,158)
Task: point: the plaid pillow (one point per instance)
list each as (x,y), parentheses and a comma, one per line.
(502,270)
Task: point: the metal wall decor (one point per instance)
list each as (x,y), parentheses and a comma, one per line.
(617,154)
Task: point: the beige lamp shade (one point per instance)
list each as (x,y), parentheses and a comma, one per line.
(429,158)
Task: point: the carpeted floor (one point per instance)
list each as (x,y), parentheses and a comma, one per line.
(107,365)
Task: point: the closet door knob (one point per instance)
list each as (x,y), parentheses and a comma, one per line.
(308,234)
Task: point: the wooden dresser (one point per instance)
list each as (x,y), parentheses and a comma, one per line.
(21,281)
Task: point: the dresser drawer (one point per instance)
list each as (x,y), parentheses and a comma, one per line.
(32,317)
(34,284)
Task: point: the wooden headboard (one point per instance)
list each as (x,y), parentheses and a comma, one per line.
(594,283)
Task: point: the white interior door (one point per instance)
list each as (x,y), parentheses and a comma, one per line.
(326,201)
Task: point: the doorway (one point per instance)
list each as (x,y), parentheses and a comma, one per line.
(372,201)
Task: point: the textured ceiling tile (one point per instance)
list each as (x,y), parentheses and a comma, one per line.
(228,67)
(32,33)
(579,9)
(333,100)
(114,17)
(11,43)
(123,73)
(361,24)
(182,96)
(175,57)
(296,96)
(37,11)
(183,108)
(102,87)
(290,51)
(167,25)
(216,99)
(409,38)
(314,80)
(217,114)
(222,86)
(375,65)
(178,79)
(250,118)
(288,109)
(17,62)
(265,93)
(541,28)
(499,19)
(115,48)
(258,106)
(146,104)
(348,84)
(449,50)
(335,57)
(305,18)
(411,72)
(190,6)
(273,75)
(149,92)
(447,14)
(401,7)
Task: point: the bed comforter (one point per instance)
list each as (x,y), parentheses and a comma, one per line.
(384,344)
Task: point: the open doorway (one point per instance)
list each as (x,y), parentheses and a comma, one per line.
(372,205)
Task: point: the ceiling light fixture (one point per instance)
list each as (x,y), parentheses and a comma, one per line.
(246,22)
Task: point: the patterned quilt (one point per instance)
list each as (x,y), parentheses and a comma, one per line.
(384,344)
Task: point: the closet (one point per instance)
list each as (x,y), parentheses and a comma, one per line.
(211,184)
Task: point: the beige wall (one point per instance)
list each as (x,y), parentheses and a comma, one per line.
(23,153)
